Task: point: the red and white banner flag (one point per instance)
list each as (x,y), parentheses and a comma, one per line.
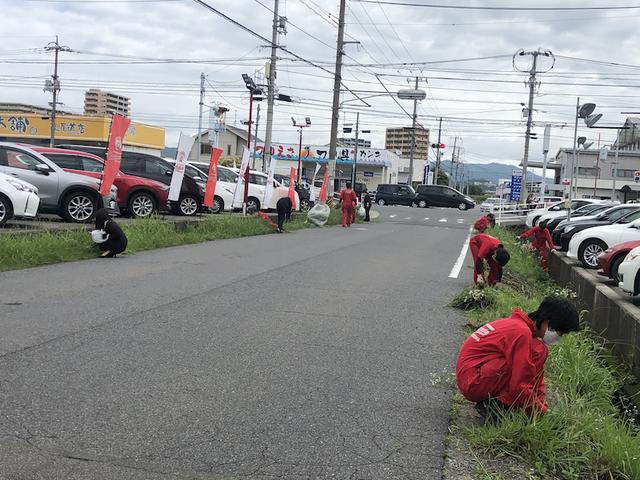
(184,149)
(325,186)
(212,179)
(119,126)
(312,188)
(268,191)
(238,196)
(292,186)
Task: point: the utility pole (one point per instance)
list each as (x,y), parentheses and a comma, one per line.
(200,116)
(335,110)
(255,138)
(266,154)
(435,173)
(413,137)
(615,167)
(573,158)
(532,87)
(545,153)
(54,87)
(453,158)
(355,155)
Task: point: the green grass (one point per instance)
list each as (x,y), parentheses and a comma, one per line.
(585,434)
(30,250)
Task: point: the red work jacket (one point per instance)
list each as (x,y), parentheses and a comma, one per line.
(541,237)
(481,224)
(510,341)
(482,247)
(348,198)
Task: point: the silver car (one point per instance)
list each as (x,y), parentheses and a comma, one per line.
(74,197)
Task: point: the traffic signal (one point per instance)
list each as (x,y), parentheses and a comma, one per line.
(437,145)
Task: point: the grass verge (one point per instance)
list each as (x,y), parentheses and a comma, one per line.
(30,250)
(589,432)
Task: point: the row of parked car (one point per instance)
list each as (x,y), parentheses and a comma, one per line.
(66,181)
(600,234)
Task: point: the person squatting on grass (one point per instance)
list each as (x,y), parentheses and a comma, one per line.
(116,240)
(348,201)
(502,364)
(541,241)
(483,223)
(485,247)
(283,207)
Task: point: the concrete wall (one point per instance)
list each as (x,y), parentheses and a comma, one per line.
(610,312)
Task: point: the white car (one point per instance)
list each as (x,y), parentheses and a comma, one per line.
(491,202)
(588,244)
(578,212)
(257,188)
(17,198)
(558,209)
(628,272)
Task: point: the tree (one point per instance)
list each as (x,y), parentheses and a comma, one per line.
(475,189)
(443,178)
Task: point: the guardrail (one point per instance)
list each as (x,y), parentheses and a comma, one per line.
(513,213)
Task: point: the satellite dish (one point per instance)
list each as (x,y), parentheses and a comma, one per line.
(591,120)
(586,110)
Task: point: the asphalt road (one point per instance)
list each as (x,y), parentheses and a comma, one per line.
(296,356)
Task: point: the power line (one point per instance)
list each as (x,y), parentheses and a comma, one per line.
(473,7)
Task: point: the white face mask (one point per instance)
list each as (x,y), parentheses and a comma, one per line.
(551,337)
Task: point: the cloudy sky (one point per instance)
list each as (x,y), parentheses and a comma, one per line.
(154,52)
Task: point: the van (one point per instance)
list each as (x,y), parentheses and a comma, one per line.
(393,194)
(442,196)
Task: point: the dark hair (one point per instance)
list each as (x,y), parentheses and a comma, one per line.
(492,219)
(502,256)
(101,218)
(348,184)
(559,312)
(543,224)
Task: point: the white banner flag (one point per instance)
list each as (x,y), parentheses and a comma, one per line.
(238,196)
(268,191)
(312,187)
(184,149)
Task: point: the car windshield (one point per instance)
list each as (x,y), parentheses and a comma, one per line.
(630,217)
(596,209)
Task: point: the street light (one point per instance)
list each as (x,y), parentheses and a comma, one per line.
(415,95)
(300,126)
(255,93)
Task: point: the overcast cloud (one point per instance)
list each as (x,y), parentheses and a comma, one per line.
(486,115)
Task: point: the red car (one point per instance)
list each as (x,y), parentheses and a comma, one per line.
(610,259)
(137,196)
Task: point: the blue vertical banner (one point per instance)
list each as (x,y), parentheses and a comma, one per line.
(516,185)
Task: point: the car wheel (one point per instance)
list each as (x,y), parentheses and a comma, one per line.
(305,205)
(422,204)
(381,202)
(6,210)
(141,205)
(79,207)
(613,268)
(253,205)
(589,252)
(218,205)
(188,206)
(462,206)
(535,220)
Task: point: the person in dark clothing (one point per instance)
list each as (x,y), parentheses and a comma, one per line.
(116,239)
(283,208)
(366,203)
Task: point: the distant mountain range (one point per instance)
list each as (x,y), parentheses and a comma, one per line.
(490,172)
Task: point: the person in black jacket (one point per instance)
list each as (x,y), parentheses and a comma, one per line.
(366,203)
(116,239)
(283,208)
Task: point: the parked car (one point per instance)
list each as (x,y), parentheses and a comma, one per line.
(257,188)
(587,245)
(225,185)
(581,213)
(609,261)
(628,272)
(74,197)
(557,208)
(137,196)
(303,193)
(619,213)
(491,202)
(17,199)
(158,169)
(393,194)
(442,196)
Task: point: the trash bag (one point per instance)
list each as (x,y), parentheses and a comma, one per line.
(319,214)
(99,236)
(360,212)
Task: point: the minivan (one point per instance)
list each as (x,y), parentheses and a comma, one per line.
(442,196)
(393,194)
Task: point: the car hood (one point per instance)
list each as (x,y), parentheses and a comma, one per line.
(76,177)
(595,231)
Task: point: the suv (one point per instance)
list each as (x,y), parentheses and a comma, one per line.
(393,194)
(158,169)
(442,196)
(74,197)
(137,196)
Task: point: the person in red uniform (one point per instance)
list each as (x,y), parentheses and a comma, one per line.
(502,364)
(485,247)
(485,222)
(541,241)
(348,200)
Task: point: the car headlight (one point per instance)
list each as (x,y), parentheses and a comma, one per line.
(22,186)
(633,255)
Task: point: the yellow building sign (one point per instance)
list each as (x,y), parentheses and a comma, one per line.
(19,125)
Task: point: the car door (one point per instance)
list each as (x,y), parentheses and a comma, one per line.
(134,164)
(22,165)
(405,196)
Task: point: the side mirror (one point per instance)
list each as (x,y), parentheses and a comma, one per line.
(43,168)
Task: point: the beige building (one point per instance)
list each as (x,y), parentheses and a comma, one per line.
(399,139)
(232,141)
(99,103)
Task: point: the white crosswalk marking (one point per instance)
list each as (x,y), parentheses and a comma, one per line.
(426,218)
(461,220)
(443,220)
(392,216)
(408,218)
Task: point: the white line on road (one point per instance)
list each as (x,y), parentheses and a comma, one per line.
(443,220)
(455,271)
(426,218)
(408,218)
(392,216)
(461,220)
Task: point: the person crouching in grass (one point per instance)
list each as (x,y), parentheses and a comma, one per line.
(113,240)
